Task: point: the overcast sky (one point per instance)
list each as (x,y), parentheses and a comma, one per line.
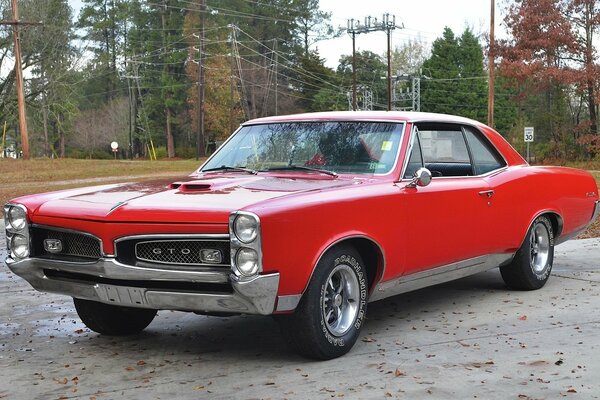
(424,19)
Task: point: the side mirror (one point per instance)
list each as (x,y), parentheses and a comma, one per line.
(421,178)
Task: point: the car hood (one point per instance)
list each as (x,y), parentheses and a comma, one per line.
(208,199)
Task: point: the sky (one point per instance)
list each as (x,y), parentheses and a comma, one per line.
(423,19)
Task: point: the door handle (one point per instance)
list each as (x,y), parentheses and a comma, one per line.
(488,193)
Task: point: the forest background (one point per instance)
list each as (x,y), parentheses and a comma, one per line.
(127,71)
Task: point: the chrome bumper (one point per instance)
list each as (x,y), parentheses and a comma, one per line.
(257,295)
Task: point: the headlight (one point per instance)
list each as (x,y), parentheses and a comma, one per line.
(19,246)
(245,228)
(246,244)
(17,218)
(247,261)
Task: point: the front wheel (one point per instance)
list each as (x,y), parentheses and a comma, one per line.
(327,321)
(531,266)
(112,320)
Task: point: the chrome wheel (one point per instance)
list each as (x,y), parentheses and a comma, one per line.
(539,248)
(340,300)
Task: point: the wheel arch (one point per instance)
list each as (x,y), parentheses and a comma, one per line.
(555,219)
(370,251)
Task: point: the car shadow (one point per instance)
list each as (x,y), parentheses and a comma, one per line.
(252,337)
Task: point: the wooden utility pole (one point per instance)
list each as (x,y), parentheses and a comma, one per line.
(19,76)
(491,68)
(354,71)
(389,66)
(200,147)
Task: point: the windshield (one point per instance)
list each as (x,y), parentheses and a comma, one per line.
(340,147)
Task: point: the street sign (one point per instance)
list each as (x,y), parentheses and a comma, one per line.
(114,146)
(528,134)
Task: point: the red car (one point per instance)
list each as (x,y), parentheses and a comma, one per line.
(307,218)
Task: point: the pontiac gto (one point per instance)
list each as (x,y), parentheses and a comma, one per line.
(307,218)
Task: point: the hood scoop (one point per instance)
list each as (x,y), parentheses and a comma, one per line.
(205,185)
(190,187)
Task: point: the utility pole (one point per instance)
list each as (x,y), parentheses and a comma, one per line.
(200,148)
(353,33)
(491,68)
(389,29)
(276,77)
(231,86)
(387,24)
(19,76)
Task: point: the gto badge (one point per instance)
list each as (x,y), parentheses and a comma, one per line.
(211,256)
(53,245)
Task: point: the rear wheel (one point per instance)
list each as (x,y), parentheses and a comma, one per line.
(531,266)
(111,320)
(327,322)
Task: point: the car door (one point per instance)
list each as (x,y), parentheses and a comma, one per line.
(449,219)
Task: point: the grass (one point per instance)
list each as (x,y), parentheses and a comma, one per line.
(20,177)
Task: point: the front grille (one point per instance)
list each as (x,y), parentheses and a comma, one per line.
(182,252)
(75,245)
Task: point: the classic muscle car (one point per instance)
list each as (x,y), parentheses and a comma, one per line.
(307,218)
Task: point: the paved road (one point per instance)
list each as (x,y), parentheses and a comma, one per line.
(471,338)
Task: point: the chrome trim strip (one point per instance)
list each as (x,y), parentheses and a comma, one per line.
(496,171)
(210,236)
(288,303)
(457,270)
(32,268)
(54,228)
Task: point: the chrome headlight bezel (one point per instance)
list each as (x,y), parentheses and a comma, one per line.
(16,230)
(243,244)
(9,218)
(245,228)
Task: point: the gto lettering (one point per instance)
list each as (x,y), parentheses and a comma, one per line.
(158,251)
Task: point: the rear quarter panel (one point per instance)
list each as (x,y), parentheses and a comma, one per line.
(524,192)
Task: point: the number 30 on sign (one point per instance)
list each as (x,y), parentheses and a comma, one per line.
(528,134)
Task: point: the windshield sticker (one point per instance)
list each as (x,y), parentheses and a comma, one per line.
(386,145)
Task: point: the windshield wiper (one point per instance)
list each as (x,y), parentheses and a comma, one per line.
(303,168)
(229,168)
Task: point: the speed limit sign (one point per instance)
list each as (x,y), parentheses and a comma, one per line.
(528,137)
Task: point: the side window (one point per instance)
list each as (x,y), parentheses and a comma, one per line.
(445,151)
(416,159)
(484,158)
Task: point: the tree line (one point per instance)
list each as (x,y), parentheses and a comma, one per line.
(128,71)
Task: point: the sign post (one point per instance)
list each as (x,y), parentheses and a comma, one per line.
(528,136)
(115,148)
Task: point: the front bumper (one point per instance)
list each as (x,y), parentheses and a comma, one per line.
(110,282)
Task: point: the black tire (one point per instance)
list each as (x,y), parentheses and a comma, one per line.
(327,321)
(111,320)
(532,264)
